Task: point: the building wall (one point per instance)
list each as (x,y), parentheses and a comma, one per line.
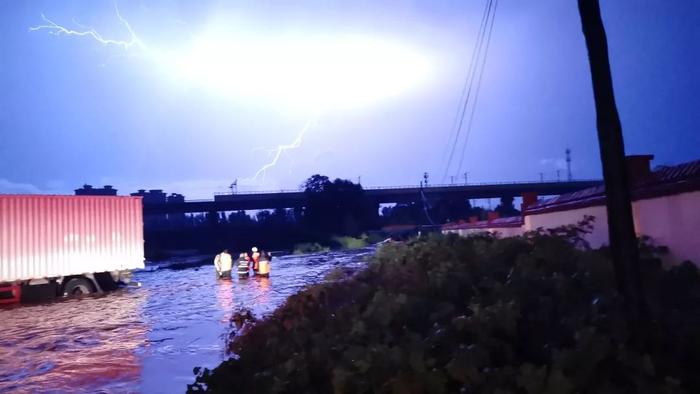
(508,231)
(672,221)
(597,238)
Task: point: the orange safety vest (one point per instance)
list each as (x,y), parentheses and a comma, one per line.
(256,259)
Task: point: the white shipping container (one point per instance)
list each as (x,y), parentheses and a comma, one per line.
(52,236)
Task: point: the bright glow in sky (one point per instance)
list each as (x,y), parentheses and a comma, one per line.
(310,73)
(307,71)
(178,94)
(301,72)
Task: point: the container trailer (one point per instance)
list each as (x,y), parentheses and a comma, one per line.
(55,246)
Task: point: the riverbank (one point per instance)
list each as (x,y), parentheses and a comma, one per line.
(444,314)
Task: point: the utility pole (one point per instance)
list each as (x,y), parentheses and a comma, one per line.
(623,241)
(234,186)
(541,176)
(452,179)
(557,175)
(465,178)
(569,177)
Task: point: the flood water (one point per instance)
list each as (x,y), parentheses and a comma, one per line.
(145,339)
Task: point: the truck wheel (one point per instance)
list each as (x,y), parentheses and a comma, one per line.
(77,286)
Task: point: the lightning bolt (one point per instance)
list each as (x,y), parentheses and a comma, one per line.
(135,43)
(277,152)
(57,30)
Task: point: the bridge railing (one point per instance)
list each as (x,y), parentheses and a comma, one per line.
(435,186)
(430,186)
(260,192)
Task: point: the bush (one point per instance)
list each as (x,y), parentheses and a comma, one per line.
(351,243)
(439,314)
(309,247)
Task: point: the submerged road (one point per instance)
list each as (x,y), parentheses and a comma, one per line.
(145,339)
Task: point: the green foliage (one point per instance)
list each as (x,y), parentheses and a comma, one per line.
(335,274)
(351,242)
(337,207)
(440,210)
(309,247)
(443,314)
(373,237)
(335,243)
(506,207)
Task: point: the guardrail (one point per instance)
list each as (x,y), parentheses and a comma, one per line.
(260,192)
(478,188)
(478,184)
(412,186)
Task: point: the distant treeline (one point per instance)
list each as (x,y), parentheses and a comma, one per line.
(333,208)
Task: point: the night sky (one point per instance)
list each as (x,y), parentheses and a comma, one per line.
(212,87)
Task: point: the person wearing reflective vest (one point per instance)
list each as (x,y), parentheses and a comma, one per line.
(223,264)
(255,256)
(243,265)
(264,264)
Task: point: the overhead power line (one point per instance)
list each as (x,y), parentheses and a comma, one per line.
(478,59)
(455,129)
(478,89)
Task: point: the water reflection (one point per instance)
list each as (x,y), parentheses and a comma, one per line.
(147,339)
(224,294)
(263,290)
(41,350)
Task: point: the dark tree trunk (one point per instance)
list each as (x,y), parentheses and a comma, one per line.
(623,242)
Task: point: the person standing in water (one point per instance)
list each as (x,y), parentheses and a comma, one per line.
(243,265)
(264,264)
(255,256)
(223,262)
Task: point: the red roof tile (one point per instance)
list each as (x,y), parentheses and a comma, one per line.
(667,180)
(514,221)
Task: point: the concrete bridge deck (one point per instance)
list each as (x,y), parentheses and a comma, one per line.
(378,195)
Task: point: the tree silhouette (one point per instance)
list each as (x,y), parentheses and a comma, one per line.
(338,207)
(623,241)
(506,208)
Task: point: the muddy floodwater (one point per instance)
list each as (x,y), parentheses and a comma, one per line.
(145,339)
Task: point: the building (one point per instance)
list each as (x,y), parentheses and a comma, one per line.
(666,207)
(88,190)
(176,218)
(175,198)
(153,196)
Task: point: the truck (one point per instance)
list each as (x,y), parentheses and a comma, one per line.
(57,246)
